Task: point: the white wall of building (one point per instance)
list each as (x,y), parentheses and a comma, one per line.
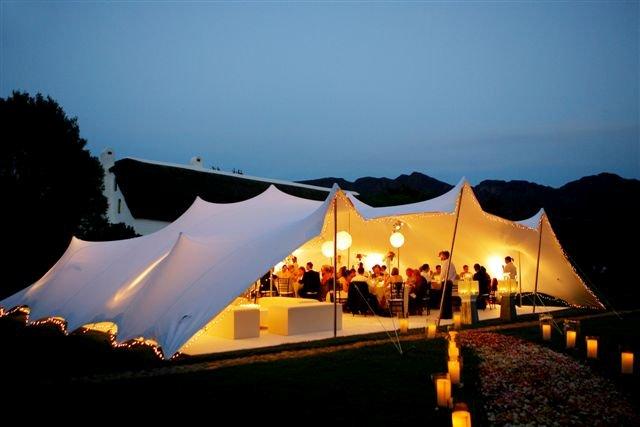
(118,211)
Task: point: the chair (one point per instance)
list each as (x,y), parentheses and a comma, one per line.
(425,301)
(342,296)
(492,299)
(285,287)
(396,299)
(358,298)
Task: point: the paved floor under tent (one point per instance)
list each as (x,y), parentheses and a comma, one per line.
(351,325)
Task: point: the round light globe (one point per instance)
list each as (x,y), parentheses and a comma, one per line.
(396,239)
(327,248)
(344,240)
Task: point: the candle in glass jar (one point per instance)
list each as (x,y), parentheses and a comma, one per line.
(592,347)
(454,370)
(431,330)
(457,320)
(404,325)
(546,332)
(461,417)
(443,390)
(571,339)
(626,360)
(453,350)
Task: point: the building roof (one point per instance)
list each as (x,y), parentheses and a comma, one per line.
(163,191)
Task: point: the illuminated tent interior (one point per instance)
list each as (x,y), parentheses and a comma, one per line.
(168,285)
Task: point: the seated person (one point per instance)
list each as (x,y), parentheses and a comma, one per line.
(436,279)
(326,281)
(360,300)
(268,284)
(418,294)
(395,276)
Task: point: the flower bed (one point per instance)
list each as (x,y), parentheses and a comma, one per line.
(525,384)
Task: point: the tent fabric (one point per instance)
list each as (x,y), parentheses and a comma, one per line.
(534,221)
(445,203)
(168,285)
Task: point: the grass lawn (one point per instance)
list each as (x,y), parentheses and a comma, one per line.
(354,385)
(365,384)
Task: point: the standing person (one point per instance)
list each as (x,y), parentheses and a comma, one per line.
(509,268)
(466,274)
(484,283)
(310,283)
(448,276)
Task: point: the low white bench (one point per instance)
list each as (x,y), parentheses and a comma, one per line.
(268,302)
(238,322)
(302,318)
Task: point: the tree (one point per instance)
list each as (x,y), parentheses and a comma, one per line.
(51,188)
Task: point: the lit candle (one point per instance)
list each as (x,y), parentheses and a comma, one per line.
(626,360)
(592,347)
(546,332)
(571,339)
(404,325)
(431,330)
(454,370)
(443,390)
(457,320)
(461,417)
(453,350)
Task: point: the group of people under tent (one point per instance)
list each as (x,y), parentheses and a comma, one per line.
(424,285)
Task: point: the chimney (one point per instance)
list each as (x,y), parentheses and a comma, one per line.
(107,158)
(197,161)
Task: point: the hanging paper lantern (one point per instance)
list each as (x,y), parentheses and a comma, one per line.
(396,239)
(344,240)
(327,248)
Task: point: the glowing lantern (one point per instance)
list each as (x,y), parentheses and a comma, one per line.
(571,339)
(571,330)
(404,325)
(443,390)
(454,370)
(545,326)
(431,329)
(396,239)
(344,240)
(592,347)
(327,249)
(461,417)
(454,351)
(626,361)
(457,320)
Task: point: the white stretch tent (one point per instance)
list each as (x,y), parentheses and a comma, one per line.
(168,285)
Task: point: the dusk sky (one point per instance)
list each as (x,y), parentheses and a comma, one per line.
(541,91)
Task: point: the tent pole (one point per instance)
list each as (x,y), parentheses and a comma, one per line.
(349,248)
(520,276)
(535,289)
(335,265)
(453,241)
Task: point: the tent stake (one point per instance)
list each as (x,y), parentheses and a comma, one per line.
(535,289)
(453,241)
